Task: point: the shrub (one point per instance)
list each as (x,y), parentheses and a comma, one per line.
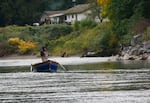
(22,46)
(89,23)
(26,47)
(147,34)
(76,25)
(106,42)
(86,23)
(14,41)
(55,31)
(5,49)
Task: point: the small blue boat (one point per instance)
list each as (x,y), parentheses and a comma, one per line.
(48,66)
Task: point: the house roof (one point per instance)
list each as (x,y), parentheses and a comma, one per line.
(56,15)
(48,13)
(78,9)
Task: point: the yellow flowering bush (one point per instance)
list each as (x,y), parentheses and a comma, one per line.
(24,47)
(14,41)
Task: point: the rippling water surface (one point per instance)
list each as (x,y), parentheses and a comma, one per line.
(109,82)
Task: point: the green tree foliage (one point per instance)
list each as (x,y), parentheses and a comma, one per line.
(96,9)
(124,13)
(105,44)
(64,4)
(40,34)
(86,23)
(21,12)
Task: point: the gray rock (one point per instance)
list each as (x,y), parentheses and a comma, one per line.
(146,44)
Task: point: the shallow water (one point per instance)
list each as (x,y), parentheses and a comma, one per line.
(107,82)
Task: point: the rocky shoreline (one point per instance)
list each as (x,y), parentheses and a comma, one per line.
(136,52)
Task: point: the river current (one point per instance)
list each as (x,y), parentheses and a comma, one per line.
(104,82)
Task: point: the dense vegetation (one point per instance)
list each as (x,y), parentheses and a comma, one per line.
(22,12)
(127,18)
(62,36)
(20,36)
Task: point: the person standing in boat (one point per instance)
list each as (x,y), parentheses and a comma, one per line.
(44,54)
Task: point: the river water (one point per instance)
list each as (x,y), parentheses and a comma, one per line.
(103,82)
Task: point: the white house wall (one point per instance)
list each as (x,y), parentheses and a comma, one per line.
(73,17)
(54,20)
(81,17)
(70,18)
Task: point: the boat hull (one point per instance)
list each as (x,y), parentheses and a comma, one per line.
(48,66)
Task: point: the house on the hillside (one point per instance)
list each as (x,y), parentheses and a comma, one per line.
(57,18)
(76,13)
(52,17)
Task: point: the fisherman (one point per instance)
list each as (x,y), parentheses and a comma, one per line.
(44,54)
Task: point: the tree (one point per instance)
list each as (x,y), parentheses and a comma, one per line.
(95,8)
(21,12)
(63,4)
(103,4)
(123,14)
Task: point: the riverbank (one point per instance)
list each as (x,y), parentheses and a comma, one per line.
(139,51)
(15,56)
(28,60)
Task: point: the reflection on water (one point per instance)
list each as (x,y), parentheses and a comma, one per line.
(109,82)
(14,69)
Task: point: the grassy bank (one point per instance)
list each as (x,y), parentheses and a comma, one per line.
(59,38)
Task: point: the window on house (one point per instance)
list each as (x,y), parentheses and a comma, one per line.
(65,17)
(72,16)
